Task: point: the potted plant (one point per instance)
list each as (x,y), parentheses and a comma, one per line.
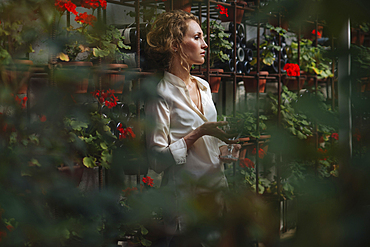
(17,32)
(227,13)
(94,42)
(312,60)
(179,4)
(105,128)
(291,79)
(217,47)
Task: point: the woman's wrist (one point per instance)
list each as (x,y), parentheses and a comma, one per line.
(193,136)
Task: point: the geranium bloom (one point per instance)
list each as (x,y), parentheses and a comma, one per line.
(86,19)
(223,10)
(125,133)
(42,118)
(314,32)
(292,69)
(148,180)
(63,5)
(129,190)
(261,153)
(244,163)
(335,136)
(22,102)
(10,228)
(94,4)
(106,97)
(322,151)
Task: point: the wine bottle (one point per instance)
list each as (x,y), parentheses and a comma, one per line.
(231,40)
(243,43)
(240,54)
(239,67)
(248,54)
(229,27)
(240,30)
(247,67)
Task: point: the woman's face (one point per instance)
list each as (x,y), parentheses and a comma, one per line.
(193,44)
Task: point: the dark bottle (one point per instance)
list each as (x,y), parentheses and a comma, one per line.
(240,54)
(240,30)
(248,54)
(231,40)
(229,27)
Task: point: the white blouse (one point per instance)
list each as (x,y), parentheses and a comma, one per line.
(174,115)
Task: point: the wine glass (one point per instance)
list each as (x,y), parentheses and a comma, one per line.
(230,147)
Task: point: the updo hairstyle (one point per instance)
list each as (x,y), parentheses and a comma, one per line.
(167,31)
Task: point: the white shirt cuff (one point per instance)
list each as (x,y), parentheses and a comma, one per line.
(179,151)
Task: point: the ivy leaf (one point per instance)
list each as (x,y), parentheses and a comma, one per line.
(300,135)
(89,162)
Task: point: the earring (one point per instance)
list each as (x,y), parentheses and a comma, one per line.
(175,50)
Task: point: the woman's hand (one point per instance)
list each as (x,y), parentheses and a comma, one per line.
(224,150)
(211,128)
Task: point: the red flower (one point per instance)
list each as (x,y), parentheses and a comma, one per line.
(223,10)
(42,118)
(148,180)
(314,32)
(125,133)
(292,69)
(357,135)
(107,98)
(85,18)
(335,136)
(71,7)
(129,190)
(94,4)
(63,5)
(22,102)
(261,153)
(244,163)
(10,228)
(322,151)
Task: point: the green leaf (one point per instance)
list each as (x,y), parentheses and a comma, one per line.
(144,231)
(103,145)
(146,242)
(300,135)
(89,162)
(35,162)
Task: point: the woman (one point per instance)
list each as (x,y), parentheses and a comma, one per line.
(186,142)
(186,131)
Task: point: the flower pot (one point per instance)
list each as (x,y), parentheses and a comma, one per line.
(292,82)
(112,77)
(73,76)
(230,12)
(214,81)
(179,4)
(17,75)
(273,21)
(73,173)
(357,37)
(250,84)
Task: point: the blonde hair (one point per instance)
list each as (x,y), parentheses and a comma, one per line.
(168,30)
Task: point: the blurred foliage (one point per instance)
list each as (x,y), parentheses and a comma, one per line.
(41,207)
(245,124)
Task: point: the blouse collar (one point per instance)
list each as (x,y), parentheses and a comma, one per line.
(178,82)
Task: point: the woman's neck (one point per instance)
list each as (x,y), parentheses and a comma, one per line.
(180,71)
